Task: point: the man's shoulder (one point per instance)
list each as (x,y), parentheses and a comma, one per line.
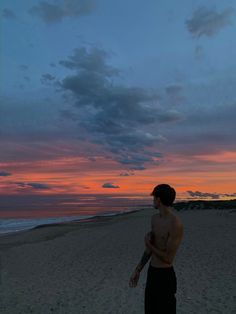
(176,222)
(174,219)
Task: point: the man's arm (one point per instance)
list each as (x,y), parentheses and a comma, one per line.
(136,274)
(145,257)
(161,254)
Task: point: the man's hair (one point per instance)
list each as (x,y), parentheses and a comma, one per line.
(165,192)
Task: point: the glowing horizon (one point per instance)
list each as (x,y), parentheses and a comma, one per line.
(78,175)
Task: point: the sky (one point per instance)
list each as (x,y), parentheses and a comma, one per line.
(115,97)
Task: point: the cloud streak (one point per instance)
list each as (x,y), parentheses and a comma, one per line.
(126,174)
(32,185)
(4,174)
(109,185)
(47,78)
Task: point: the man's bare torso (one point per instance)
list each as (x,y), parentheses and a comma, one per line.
(161,228)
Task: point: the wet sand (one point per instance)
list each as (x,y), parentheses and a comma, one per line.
(85,267)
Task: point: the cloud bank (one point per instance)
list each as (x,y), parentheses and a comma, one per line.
(210,195)
(203,195)
(113,115)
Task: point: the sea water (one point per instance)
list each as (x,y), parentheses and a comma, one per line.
(19,213)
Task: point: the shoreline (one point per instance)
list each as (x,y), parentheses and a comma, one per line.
(52,231)
(93,218)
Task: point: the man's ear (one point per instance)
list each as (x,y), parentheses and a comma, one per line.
(159,201)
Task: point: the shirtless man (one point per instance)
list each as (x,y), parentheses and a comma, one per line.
(161,244)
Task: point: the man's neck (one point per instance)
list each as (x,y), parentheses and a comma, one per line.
(165,211)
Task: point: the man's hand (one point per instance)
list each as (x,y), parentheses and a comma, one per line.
(134,279)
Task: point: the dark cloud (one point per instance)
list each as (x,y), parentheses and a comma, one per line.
(208,22)
(33,185)
(138,167)
(126,174)
(92,62)
(204,195)
(136,161)
(27,78)
(39,186)
(55,12)
(23,67)
(8,14)
(211,195)
(53,65)
(50,13)
(230,195)
(110,186)
(46,78)
(170,116)
(113,115)
(4,174)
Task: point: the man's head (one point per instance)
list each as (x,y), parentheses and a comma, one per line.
(164,194)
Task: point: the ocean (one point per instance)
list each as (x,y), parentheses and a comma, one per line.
(18,213)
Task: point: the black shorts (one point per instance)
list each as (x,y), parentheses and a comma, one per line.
(161,286)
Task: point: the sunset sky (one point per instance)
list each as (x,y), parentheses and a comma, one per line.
(114,97)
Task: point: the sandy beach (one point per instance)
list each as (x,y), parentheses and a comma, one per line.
(85,267)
